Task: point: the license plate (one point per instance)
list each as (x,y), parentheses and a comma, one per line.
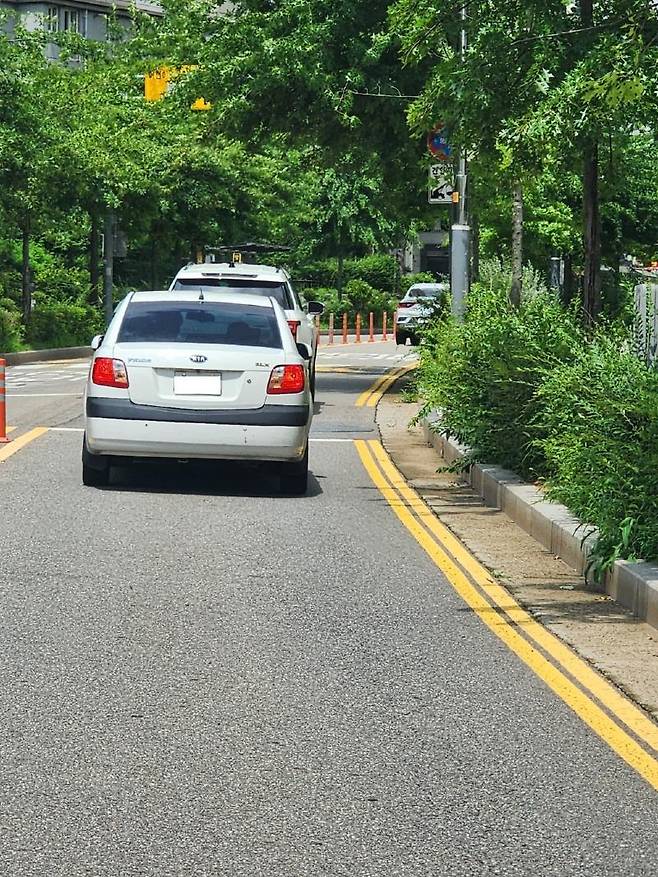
(197,383)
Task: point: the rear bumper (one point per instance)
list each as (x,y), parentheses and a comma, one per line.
(100,407)
(149,438)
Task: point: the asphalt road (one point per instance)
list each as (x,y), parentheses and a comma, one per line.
(200,677)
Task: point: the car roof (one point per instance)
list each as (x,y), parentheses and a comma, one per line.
(427,286)
(237,269)
(209,295)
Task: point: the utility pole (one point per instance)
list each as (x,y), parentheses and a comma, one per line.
(460,238)
(108,265)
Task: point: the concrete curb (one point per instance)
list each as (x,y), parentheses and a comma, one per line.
(28,356)
(633,585)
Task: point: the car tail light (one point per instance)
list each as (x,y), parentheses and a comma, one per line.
(287,379)
(108,372)
(406,304)
(294,325)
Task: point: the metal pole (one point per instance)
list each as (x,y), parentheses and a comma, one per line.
(460,238)
(108,265)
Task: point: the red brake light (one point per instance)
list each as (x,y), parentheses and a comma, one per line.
(108,372)
(294,325)
(406,304)
(287,379)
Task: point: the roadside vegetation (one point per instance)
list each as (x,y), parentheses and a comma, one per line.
(315,139)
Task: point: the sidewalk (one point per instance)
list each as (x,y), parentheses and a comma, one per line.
(603,632)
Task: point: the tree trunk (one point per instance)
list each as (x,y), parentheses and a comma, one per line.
(26,274)
(154,283)
(108,266)
(339,279)
(591,234)
(94,259)
(517,245)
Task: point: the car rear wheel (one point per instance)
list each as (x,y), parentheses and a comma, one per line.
(400,338)
(294,476)
(95,468)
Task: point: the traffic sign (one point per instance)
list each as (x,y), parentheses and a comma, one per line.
(440,189)
(438,143)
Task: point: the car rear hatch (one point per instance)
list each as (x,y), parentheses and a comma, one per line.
(227,377)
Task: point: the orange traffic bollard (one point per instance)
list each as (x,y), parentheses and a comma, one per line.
(344,328)
(384,320)
(371,326)
(3,406)
(358,328)
(331,328)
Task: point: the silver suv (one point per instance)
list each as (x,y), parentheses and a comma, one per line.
(267,280)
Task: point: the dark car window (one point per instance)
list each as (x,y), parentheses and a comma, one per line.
(278,291)
(424,293)
(199,323)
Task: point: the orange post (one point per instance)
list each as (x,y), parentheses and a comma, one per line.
(384,320)
(371,326)
(344,328)
(3,406)
(331,328)
(358,328)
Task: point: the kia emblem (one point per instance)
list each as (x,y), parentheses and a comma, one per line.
(198,358)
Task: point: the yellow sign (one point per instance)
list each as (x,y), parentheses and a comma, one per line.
(158,83)
(237,257)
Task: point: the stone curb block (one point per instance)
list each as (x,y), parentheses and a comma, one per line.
(28,356)
(633,585)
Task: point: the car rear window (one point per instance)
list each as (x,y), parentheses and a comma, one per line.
(278,291)
(200,323)
(424,293)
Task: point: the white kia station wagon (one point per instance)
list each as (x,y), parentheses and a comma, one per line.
(193,375)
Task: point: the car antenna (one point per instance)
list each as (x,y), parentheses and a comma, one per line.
(201,298)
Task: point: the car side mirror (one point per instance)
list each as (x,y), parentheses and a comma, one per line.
(315,307)
(96,341)
(303,351)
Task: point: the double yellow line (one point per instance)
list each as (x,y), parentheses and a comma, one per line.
(621,724)
(370,397)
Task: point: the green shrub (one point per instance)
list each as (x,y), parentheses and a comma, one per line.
(599,416)
(484,373)
(10,330)
(378,271)
(358,297)
(58,324)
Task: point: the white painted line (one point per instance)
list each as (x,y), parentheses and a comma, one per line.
(66,429)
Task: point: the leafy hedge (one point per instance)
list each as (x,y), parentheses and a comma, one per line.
(358,297)
(58,324)
(378,271)
(10,328)
(528,390)
(600,418)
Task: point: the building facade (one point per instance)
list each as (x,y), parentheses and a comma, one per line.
(88,18)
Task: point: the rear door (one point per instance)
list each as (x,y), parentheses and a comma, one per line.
(214,356)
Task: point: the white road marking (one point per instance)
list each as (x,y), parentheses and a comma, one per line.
(65,429)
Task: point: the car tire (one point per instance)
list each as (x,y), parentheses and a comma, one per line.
(294,476)
(400,338)
(95,468)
